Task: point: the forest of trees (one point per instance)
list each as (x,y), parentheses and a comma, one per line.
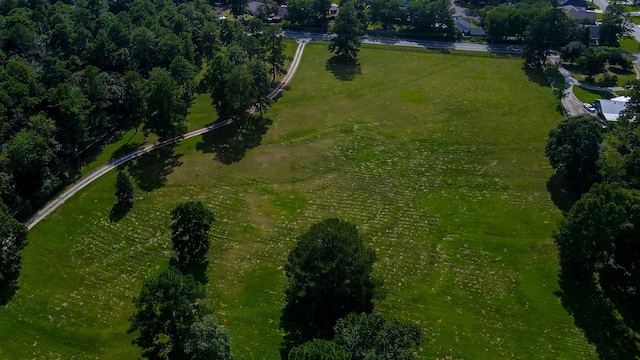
(74,74)
(597,184)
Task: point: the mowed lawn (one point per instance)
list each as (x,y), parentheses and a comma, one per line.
(438,160)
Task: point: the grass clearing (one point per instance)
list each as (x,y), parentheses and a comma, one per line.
(590,96)
(440,162)
(629,44)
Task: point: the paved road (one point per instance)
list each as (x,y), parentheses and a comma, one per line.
(82,183)
(437,45)
(635,31)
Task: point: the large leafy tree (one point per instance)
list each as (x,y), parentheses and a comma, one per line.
(385,12)
(600,236)
(573,147)
(614,24)
(328,276)
(208,341)
(190,225)
(347,28)
(166,308)
(123,189)
(275,47)
(549,30)
(372,336)
(166,108)
(13,238)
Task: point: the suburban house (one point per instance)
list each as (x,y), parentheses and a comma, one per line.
(464,27)
(611,109)
(582,15)
(255,7)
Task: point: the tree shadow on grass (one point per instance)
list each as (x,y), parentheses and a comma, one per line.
(150,170)
(536,75)
(126,149)
(119,211)
(231,143)
(594,314)
(563,192)
(341,70)
(7,291)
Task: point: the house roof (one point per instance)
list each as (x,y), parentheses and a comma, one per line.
(465,26)
(580,15)
(594,32)
(611,109)
(254,7)
(576,3)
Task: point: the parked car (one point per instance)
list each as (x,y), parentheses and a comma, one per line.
(589,107)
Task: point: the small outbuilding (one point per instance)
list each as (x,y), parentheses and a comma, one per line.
(612,108)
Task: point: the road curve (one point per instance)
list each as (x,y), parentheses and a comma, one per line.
(103,169)
(437,45)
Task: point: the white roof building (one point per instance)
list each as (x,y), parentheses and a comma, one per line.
(611,109)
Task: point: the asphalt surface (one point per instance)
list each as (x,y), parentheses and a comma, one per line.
(436,45)
(82,183)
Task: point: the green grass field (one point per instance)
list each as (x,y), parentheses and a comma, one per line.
(590,96)
(438,160)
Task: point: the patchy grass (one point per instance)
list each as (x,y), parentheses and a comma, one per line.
(589,96)
(630,45)
(438,160)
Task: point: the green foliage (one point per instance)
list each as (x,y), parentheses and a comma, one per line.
(190,225)
(329,276)
(433,17)
(124,189)
(13,238)
(319,350)
(573,147)
(276,51)
(208,341)
(369,337)
(166,106)
(507,21)
(347,28)
(600,236)
(614,25)
(166,308)
(385,12)
(573,51)
(549,30)
(593,61)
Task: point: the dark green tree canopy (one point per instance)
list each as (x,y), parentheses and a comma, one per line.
(166,308)
(372,336)
(601,236)
(549,30)
(124,189)
(13,238)
(329,276)
(208,341)
(190,225)
(347,28)
(574,147)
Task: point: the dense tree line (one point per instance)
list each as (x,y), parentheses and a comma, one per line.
(426,17)
(598,241)
(72,74)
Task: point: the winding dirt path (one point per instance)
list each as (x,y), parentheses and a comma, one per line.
(100,171)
